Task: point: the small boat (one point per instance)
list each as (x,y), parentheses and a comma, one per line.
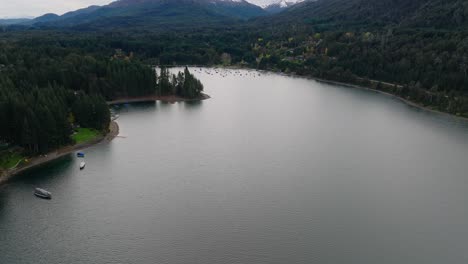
(80,155)
(41,193)
(82,165)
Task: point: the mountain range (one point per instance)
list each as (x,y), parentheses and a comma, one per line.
(381,13)
(168,14)
(143,13)
(153,14)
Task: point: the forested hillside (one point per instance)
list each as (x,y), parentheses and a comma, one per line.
(434,14)
(151,15)
(48,89)
(421,46)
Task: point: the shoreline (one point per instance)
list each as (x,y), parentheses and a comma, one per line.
(151,98)
(404,100)
(113,132)
(350,85)
(59,153)
(356,86)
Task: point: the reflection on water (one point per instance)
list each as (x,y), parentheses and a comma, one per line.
(193,104)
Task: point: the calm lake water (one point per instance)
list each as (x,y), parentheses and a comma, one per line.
(272,169)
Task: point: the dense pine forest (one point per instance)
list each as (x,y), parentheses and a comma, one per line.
(47,90)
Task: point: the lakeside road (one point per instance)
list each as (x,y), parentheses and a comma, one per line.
(356,86)
(43,159)
(404,100)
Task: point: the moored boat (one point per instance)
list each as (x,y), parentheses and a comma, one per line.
(80,155)
(41,193)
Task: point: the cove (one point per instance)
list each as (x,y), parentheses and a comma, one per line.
(271,169)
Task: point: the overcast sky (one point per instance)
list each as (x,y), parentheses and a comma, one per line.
(27,8)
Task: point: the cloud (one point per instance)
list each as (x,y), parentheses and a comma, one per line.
(260,2)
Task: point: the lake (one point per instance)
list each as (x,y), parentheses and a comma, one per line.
(271,169)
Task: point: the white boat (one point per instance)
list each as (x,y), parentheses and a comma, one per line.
(41,193)
(82,165)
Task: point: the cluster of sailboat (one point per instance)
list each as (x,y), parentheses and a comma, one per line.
(41,193)
(227,72)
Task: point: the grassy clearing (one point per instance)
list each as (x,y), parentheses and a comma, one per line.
(9,160)
(85,134)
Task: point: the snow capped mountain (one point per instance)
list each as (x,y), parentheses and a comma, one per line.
(279,3)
